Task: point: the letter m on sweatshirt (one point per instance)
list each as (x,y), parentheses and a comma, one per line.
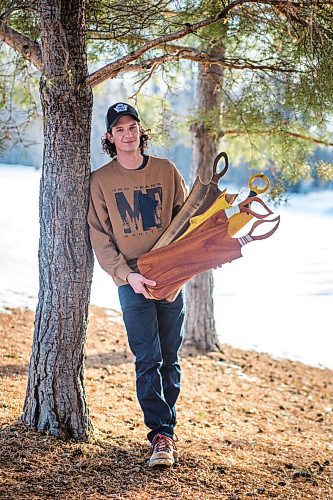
(141,213)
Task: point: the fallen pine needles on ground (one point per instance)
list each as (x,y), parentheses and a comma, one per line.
(248,426)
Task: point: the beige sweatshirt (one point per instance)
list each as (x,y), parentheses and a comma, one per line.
(129,210)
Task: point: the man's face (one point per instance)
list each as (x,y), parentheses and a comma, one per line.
(125,135)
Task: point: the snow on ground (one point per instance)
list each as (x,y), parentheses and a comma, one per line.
(277,298)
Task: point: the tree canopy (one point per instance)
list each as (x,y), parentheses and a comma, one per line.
(277,62)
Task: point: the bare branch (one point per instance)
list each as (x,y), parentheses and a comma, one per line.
(231,63)
(144,80)
(148,64)
(29,49)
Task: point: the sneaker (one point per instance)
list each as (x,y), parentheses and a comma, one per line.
(163,451)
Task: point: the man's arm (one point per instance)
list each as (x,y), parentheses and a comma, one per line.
(181,191)
(109,258)
(101,236)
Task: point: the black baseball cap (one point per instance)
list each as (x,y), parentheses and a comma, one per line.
(118,110)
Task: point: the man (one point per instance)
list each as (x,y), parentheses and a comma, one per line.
(133,199)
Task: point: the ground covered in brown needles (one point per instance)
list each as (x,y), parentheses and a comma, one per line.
(249,426)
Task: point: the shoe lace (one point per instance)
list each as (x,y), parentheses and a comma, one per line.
(162,443)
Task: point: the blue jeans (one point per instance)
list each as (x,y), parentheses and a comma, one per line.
(155,334)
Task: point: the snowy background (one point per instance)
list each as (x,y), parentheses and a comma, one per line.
(278,298)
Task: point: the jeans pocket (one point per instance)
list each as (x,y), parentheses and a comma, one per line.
(129,299)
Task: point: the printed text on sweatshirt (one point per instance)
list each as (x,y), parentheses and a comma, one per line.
(129,210)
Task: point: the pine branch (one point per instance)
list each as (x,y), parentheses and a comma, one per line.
(29,49)
(268,131)
(109,70)
(15,7)
(202,58)
(183,52)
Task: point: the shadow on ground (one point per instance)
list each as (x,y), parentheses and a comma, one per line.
(34,465)
(13,370)
(38,465)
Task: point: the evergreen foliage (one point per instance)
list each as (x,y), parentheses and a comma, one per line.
(277,89)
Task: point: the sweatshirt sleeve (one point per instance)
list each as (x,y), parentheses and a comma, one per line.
(181,191)
(101,236)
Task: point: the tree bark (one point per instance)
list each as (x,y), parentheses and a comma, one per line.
(200,330)
(55,398)
(24,45)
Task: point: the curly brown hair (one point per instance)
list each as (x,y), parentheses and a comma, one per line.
(110,149)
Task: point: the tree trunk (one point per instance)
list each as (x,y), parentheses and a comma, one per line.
(200,328)
(55,398)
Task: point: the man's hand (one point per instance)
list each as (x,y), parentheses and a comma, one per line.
(137,282)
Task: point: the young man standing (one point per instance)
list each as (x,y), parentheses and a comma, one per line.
(133,199)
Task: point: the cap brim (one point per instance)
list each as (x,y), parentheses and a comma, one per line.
(124,113)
